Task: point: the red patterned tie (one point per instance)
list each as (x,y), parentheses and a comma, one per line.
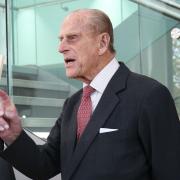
(85,110)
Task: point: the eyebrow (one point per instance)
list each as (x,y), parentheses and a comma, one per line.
(70,34)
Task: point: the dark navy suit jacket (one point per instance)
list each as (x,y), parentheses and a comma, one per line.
(146,145)
(6,170)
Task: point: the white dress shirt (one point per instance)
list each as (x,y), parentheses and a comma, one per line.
(101,80)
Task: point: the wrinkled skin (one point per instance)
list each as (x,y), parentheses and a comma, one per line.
(10,123)
(85,51)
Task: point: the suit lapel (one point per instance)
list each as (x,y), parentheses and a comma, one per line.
(104,109)
(69,131)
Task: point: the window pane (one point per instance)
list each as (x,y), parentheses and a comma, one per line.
(3,56)
(142,40)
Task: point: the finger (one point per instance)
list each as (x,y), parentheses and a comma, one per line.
(8,111)
(3,124)
(10,114)
(2,98)
(5,100)
(1,111)
(3,95)
(9,107)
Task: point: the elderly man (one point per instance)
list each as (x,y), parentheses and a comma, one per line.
(121,126)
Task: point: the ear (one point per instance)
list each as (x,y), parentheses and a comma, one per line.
(103,43)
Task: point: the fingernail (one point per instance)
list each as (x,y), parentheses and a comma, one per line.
(6,126)
(1,128)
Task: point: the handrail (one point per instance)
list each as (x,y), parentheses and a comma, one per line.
(161,7)
(34,136)
(171,3)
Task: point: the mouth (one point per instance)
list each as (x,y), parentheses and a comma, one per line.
(69,60)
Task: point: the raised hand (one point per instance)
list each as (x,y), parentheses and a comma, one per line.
(10,123)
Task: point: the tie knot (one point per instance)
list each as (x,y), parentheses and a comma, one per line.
(87,91)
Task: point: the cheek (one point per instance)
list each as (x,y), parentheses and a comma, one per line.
(87,57)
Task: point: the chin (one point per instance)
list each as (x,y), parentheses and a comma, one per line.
(70,75)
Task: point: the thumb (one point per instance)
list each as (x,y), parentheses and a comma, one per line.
(3,96)
(5,101)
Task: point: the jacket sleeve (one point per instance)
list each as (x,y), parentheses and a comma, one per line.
(35,161)
(159,131)
(6,170)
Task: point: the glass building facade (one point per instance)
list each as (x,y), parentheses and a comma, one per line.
(146,39)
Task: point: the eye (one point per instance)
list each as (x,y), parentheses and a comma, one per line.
(72,37)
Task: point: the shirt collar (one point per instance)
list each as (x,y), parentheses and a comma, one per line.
(102,79)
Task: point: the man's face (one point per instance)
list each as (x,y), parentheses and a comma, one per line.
(79,47)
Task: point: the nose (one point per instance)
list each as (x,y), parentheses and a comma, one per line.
(63,47)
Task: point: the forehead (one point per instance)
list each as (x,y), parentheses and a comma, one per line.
(74,23)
